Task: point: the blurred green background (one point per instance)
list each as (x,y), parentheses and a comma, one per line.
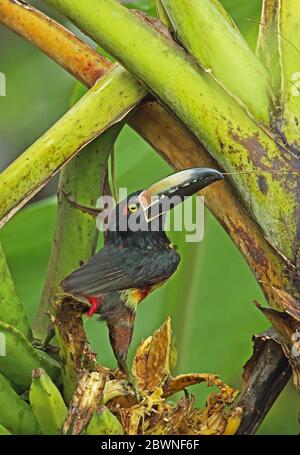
(209,298)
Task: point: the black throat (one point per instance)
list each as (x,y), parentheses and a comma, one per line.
(155,240)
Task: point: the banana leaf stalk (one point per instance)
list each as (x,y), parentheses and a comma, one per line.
(289,51)
(58,43)
(225,129)
(267,48)
(238,69)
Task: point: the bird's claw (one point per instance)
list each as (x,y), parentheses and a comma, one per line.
(44,345)
(132,381)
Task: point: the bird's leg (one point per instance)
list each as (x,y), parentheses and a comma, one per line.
(120,327)
(44,344)
(84,208)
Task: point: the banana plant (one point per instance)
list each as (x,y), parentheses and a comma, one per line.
(237,111)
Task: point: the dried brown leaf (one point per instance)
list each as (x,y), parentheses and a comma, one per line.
(287,302)
(154,414)
(151,365)
(288,330)
(265,375)
(86,400)
(181,382)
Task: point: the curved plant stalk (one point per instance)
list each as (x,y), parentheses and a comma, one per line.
(11,310)
(267,48)
(21,358)
(15,414)
(54,40)
(230,135)
(289,41)
(181,150)
(104,105)
(238,69)
(34,26)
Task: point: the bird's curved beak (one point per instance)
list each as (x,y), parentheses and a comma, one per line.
(172,190)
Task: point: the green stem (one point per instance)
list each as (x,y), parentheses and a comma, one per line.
(198,24)
(289,49)
(267,48)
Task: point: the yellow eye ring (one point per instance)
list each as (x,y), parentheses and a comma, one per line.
(133,208)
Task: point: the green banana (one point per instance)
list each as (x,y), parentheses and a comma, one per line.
(104,422)
(47,403)
(21,358)
(15,414)
(4,431)
(11,310)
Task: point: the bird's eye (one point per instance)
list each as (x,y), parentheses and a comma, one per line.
(133,208)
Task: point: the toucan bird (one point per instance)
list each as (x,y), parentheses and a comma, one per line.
(137,256)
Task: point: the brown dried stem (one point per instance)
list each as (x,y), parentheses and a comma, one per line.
(265,376)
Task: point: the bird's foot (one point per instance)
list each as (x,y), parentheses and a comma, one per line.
(44,345)
(84,208)
(132,382)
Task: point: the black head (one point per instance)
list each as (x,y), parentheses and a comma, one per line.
(138,220)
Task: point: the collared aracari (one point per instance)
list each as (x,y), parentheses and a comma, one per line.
(133,262)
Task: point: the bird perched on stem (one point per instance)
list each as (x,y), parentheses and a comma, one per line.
(136,258)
